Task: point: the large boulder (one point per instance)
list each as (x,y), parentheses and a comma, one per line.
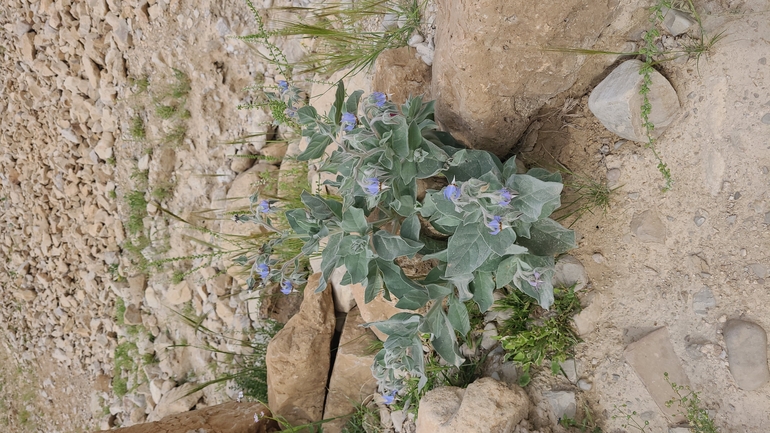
(298,358)
(232,417)
(377,310)
(399,74)
(351,381)
(491,74)
(747,353)
(486,406)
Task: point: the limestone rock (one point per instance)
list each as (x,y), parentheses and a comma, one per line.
(343,293)
(562,404)
(246,184)
(399,75)
(298,358)
(491,75)
(232,417)
(703,300)
(651,357)
(176,401)
(677,22)
(747,353)
(132,316)
(648,227)
(485,406)
(351,380)
(178,293)
(616,102)
(377,310)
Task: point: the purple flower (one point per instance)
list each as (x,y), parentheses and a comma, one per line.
(286,287)
(348,121)
(495,225)
(536,282)
(452,192)
(263,206)
(378,98)
(505,197)
(283,85)
(263,270)
(291,112)
(389,398)
(372,186)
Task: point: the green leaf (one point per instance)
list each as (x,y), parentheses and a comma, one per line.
(458,316)
(389,246)
(399,139)
(299,222)
(462,283)
(395,280)
(500,242)
(413,300)
(545,175)
(329,259)
(307,115)
(535,196)
(414,136)
(506,270)
(316,147)
(357,266)
(374,282)
(483,290)
(407,171)
(317,206)
(443,337)
(410,228)
(403,324)
(466,249)
(510,168)
(547,237)
(354,221)
(468,164)
(438,291)
(351,105)
(339,99)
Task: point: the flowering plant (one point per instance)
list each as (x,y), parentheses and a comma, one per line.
(486,229)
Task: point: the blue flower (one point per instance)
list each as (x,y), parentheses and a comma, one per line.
(536,282)
(378,98)
(505,197)
(452,192)
(495,225)
(348,121)
(389,398)
(372,186)
(286,287)
(283,85)
(291,112)
(263,206)
(263,270)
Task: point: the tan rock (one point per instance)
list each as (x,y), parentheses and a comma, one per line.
(485,406)
(257,178)
(377,310)
(298,359)
(178,294)
(399,74)
(342,293)
(351,380)
(28,50)
(179,399)
(232,417)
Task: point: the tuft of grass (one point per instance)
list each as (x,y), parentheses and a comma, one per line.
(137,210)
(162,192)
(175,136)
(136,130)
(120,311)
(364,420)
(527,341)
(587,195)
(165,111)
(691,407)
(140,84)
(586,425)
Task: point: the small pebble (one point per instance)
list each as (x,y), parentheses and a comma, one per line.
(633,195)
(766,119)
(613,176)
(619,143)
(598,258)
(585,385)
(767,218)
(743,252)
(699,220)
(737,195)
(604,149)
(731,219)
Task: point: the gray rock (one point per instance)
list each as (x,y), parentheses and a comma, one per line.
(747,353)
(652,357)
(758,269)
(177,400)
(562,403)
(585,384)
(699,220)
(616,102)
(569,367)
(648,227)
(569,272)
(766,119)
(487,337)
(677,22)
(703,300)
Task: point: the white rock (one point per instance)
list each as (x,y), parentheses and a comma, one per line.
(178,294)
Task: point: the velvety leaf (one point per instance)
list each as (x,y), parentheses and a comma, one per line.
(500,242)
(395,280)
(357,266)
(307,115)
(404,324)
(509,168)
(534,194)
(399,139)
(443,336)
(374,283)
(410,228)
(483,290)
(354,221)
(389,246)
(330,258)
(317,206)
(438,291)
(468,163)
(545,175)
(467,249)
(413,300)
(351,105)
(458,316)
(339,100)
(506,270)
(316,147)
(462,283)
(547,237)
(414,136)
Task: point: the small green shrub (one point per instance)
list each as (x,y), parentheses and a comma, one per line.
(136,130)
(689,405)
(120,311)
(165,111)
(137,210)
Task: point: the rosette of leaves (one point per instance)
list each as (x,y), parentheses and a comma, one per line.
(494,224)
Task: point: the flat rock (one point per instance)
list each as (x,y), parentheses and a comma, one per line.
(651,357)
(561,403)
(486,405)
(178,293)
(351,380)
(377,310)
(231,417)
(298,358)
(703,300)
(747,353)
(179,399)
(648,227)
(343,293)
(677,22)
(616,102)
